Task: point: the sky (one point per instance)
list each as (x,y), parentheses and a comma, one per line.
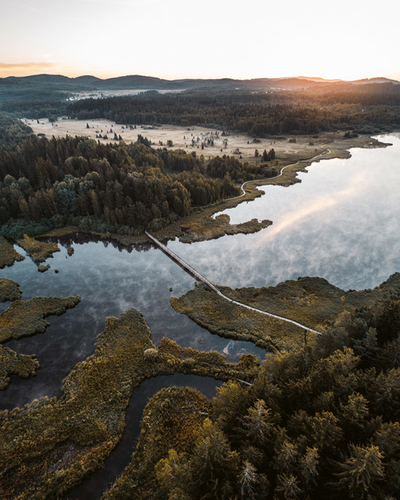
(346,39)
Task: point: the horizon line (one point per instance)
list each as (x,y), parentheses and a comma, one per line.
(301,77)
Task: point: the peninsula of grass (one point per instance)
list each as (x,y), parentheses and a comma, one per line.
(25,318)
(38,250)
(207,228)
(171,420)
(223,318)
(313,302)
(23,365)
(7,253)
(51,445)
(9,290)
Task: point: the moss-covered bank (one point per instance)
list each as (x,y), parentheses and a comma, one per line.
(38,250)
(23,365)
(49,446)
(310,301)
(7,253)
(170,421)
(206,228)
(229,320)
(27,317)
(9,290)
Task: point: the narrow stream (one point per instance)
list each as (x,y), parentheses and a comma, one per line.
(98,482)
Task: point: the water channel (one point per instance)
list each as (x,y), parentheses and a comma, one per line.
(341,222)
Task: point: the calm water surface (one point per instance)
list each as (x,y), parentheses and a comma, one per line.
(341,223)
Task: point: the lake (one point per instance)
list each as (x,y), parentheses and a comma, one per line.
(342,223)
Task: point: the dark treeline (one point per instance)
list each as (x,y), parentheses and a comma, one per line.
(371,94)
(318,423)
(12,131)
(261,114)
(32,100)
(113,187)
(46,108)
(35,109)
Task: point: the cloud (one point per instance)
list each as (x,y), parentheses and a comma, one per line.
(355,188)
(27,68)
(26,65)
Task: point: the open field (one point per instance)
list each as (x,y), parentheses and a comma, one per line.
(295,153)
(288,149)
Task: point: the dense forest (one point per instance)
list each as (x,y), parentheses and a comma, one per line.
(12,131)
(281,112)
(316,423)
(261,107)
(110,187)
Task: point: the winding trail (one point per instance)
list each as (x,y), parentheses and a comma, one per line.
(189,269)
(328,151)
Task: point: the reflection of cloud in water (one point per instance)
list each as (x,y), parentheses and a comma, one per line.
(345,230)
(342,224)
(318,204)
(109,282)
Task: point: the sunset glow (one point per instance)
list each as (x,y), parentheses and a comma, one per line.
(177,39)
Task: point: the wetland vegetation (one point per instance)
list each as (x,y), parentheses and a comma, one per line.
(77,432)
(39,251)
(22,319)
(9,290)
(314,420)
(8,255)
(302,424)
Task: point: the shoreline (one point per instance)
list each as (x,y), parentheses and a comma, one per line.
(260,315)
(208,222)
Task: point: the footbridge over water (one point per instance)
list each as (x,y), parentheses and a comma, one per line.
(189,269)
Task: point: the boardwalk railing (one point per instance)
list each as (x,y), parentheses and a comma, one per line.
(200,277)
(182,263)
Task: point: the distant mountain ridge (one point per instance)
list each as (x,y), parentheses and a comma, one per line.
(141,82)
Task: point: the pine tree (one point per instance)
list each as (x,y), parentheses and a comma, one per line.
(362,471)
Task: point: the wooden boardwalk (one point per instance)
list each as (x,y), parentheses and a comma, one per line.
(183,264)
(189,269)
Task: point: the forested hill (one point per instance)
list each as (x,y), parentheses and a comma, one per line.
(42,96)
(107,187)
(88,82)
(328,107)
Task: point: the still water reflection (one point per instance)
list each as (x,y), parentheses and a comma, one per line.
(109,280)
(341,223)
